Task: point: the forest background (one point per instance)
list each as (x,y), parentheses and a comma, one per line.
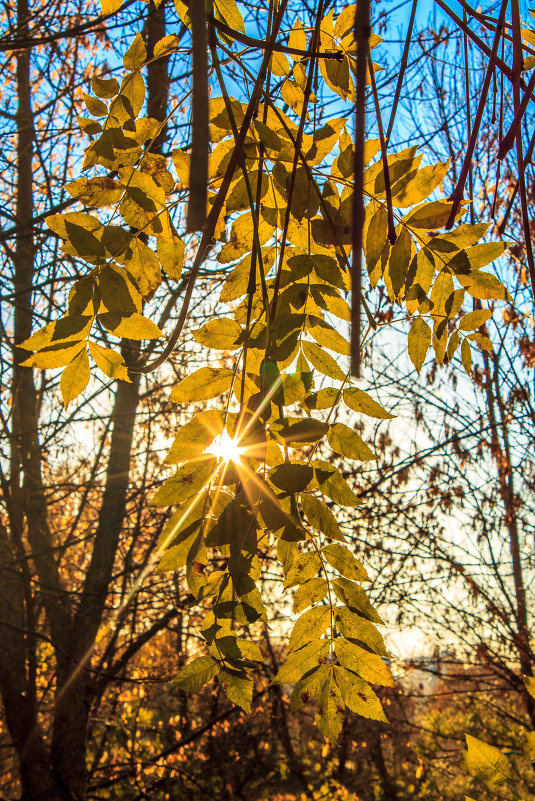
(92,636)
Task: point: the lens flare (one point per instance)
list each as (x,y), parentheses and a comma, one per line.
(226,449)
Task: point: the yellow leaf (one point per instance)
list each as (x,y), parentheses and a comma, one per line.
(104,87)
(110,362)
(293,95)
(133,91)
(466,356)
(134,326)
(95,107)
(297,38)
(203,384)
(71,328)
(166,45)
(220,334)
(136,55)
(420,185)
(96,192)
(170,249)
(57,355)
(418,341)
(75,377)
(142,264)
(110,6)
(347,442)
(279,65)
(358,696)
(360,401)
(330,710)
(322,361)
(486,761)
(195,436)
(227,11)
(368,666)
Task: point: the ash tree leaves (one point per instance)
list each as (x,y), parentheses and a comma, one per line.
(279,392)
(486,762)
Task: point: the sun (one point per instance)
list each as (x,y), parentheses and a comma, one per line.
(226,448)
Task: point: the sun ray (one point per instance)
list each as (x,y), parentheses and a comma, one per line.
(226,448)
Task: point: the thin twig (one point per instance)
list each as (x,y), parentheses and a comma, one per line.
(200,137)
(457,194)
(362,36)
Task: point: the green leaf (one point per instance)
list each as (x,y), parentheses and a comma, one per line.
(75,377)
(330,711)
(300,662)
(322,361)
(344,562)
(369,667)
(358,696)
(419,340)
(303,568)
(197,673)
(315,589)
(220,334)
(360,401)
(320,517)
(487,762)
(195,436)
(348,443)
(135,326)
(355,598)
(203,384)
(333,485)
(136,55)
(310,626)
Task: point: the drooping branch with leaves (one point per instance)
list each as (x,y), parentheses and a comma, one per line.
(250,481)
